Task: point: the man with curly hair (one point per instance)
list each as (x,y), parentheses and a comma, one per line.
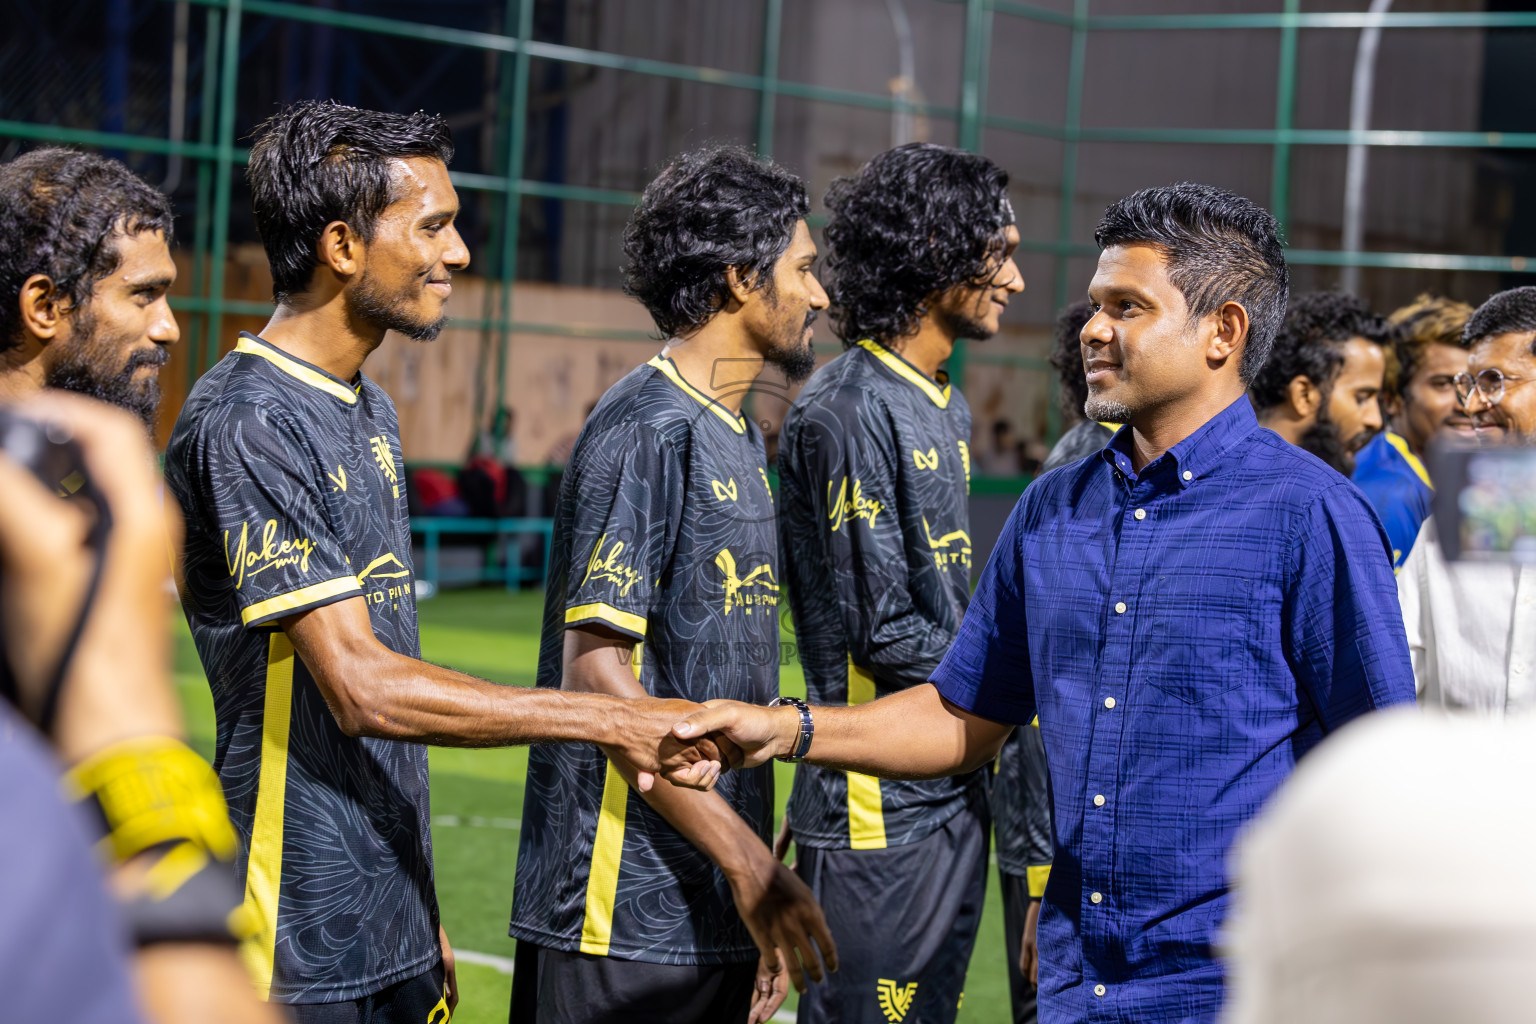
(1428,352)
(668,907)
(1321,387)
(875,466)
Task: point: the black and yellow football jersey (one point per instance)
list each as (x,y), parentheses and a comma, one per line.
(875,467)
(664,531)
(290,479)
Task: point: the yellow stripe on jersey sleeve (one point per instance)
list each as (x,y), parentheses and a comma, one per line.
(299,598)
(607,855)
(264,872)
(628,621)
(866,815)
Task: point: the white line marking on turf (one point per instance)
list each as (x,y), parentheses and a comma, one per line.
(491,960)
(504,965)
(475,821)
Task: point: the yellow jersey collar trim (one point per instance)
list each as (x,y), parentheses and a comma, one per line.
(908,372)
(733,420)
(250,345)
(1414,462)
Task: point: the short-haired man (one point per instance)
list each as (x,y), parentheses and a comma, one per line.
(1390,469)
(1472,626)
(85,266)
(876,539)
(670,906)
(286,459)
(1321,387)
(1190,612)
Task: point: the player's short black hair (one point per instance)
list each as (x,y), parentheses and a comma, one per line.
(1219,246)
(1506,312)
(1309,340)
(913,222)
(60,213)
(320,161)
(708,210)
(1067,360)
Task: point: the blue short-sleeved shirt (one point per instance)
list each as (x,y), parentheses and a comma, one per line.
(1185,633)
(1397,485)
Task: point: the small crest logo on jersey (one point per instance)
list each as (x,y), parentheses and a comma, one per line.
(926,460)
(761,577)
(895,1001)
(726,491)
(339,478)
(844,508)
(385,457)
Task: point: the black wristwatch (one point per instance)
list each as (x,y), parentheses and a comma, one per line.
(807,728)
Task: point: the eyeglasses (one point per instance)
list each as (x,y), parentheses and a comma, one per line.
(1491,384)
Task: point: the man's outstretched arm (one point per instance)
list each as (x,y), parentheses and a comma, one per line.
(374,691)
(913,734)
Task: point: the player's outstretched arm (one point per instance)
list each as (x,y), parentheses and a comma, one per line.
(373,691)
(776,906)
(912,734)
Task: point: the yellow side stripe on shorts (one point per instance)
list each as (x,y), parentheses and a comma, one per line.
(866,816)
(607,853)
(264,872)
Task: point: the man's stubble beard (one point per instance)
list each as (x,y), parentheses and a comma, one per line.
(370,304)
(83,368)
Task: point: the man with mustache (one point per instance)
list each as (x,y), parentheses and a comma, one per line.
(1390,470)
(1190,612)
(875,463)
(1472,626)
(84,274)
(299,587)
(668,907)
(1321,387)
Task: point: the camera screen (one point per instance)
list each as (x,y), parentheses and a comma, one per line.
(1494,494)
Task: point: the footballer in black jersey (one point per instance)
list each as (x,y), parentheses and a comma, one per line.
(875,464)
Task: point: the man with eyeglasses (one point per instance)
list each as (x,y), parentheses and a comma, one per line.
(1472,626)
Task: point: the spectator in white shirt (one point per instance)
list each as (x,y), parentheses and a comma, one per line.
(1472,626)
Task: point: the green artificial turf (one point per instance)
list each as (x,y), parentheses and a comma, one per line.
(477,799)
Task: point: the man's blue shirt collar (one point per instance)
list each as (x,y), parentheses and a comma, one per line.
(1192,457)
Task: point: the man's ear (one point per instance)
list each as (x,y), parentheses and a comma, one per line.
(740,287)
(1230,332)
(42,308)
(340,248)
(1304,396)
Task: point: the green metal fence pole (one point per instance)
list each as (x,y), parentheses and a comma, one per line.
(517,125)
(767,100)
(197,323)
(229,77)
(972,84)
(1285,109)
(1076,70)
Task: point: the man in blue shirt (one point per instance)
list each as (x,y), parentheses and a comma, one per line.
(1189,612)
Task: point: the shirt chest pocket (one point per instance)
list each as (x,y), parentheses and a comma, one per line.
(1198,640)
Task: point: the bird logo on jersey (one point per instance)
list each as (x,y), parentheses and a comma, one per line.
(762,577)
(895,1001)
